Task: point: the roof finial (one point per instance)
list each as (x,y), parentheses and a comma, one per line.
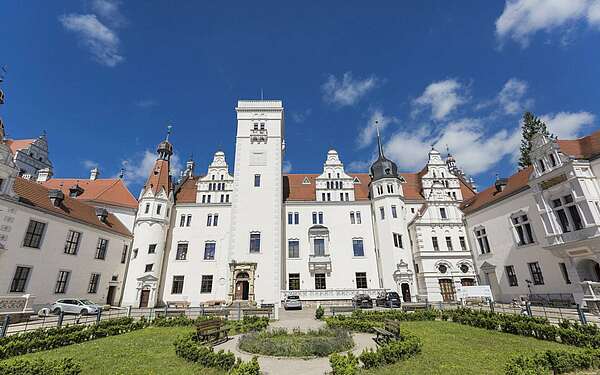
(447,149)
(122,173)
(169,127)
(379,146)
(261,94)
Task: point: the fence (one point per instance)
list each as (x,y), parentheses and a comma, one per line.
(51,321)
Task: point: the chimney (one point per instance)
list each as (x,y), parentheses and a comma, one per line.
(75,191)
(102,214)
(189,168)
(44,175)
(501,184)
(56,197)
(94,174)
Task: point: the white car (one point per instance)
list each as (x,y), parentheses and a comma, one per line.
(75,306)
(292,302)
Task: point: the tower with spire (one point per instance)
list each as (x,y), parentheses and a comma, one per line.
(394,253)
(150,231)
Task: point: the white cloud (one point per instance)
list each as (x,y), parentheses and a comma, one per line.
(567,125)
(359,166)
(511,97)
(523,18)
(369,131)
(287,166)
(102,42)
(139,166)
(301,116)
(109,11)
(89,164)
(347,90)
(443,97)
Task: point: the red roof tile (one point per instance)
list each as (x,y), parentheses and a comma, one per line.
(18,144)
(104,191)
(159,177)
(186,192)
(36,196)
(587,147)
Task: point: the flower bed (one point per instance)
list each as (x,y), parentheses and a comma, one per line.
(280,343)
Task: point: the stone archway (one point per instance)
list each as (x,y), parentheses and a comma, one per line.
(241,286)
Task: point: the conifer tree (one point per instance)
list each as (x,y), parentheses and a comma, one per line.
(532,125)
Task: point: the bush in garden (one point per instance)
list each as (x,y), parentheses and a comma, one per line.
(343,364)
(246,368)
(319,312)
(554,361)
(190,350)
(65,366)
(394,351)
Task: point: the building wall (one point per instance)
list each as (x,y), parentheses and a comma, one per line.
(50,258)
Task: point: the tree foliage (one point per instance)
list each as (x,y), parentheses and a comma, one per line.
(532,125)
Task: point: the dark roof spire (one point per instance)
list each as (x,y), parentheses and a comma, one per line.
(379,145)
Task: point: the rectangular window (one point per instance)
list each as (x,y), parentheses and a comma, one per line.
(482,241)
(208,198)
(147,209)
(61,282)
(33,236)
(296,218)
(94,281)
(158,209)
(361,280)
(294,281)
(577,222)
(382,213)
(449,243)
(565,273)
(463,243)
(552,160)
(293,249)
(209,250)
(511,275)
(314,217)
(182,220)
(19,280)
(320,282)
(207,282)
(434,241)
(319,247)
(177,287)
(255,242)
(398,240)
(256,180)
(182,249)
(189,219)
(358,219)
(523,230)
(320,218)
(443,213)
(72,244)
(290,218)
(152,249)
(352,218)
(124,254)
(536,273)
(101,248)
(394,213)
(149,267)
(215,220)
(209,220)
(357,247)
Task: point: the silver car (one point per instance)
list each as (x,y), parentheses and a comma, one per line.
(292,302)
(75,306)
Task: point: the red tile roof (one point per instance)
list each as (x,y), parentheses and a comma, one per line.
(104,191)
(36,196)
(18,144)
(159,177)
(587,147)
(186,192)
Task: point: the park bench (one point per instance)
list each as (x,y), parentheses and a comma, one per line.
(212,331)
(259,312)
(341,309)
(391,331)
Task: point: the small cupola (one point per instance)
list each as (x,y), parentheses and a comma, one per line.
(102,214)
(75,191)
(56,197)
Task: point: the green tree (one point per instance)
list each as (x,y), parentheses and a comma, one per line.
(532,125)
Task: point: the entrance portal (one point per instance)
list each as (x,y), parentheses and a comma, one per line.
(447,290)
(110,297)
(144,298)
(405,292)
(242,287)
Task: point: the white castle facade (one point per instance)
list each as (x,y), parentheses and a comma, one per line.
(256,234)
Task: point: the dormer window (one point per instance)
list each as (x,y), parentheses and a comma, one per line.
(388,171)
(542,165)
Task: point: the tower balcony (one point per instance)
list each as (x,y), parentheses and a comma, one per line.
(319,263)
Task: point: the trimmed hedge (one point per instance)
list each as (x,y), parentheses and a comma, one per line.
(65,366)
(247,324)
(50,338)
(364,321)
(554,361)
(192,351)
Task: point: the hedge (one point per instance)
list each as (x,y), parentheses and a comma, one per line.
(247,324)
(65,366)
(50,338)
(554,361)
(192,351)
(364,321)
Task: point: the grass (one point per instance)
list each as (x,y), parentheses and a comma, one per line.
(451,348)
(280,343)
(147,351)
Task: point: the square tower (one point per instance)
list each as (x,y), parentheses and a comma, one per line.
(257,212)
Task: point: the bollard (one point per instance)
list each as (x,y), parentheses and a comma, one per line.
(98,316)
(581,314)
(61,316)
(4,327)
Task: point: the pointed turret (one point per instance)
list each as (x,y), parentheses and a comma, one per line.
(160,176)
(383,167)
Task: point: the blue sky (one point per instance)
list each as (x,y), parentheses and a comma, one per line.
(104,78)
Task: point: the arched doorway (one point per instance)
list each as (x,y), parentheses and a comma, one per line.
(405,288)
(588,270)
(242,286)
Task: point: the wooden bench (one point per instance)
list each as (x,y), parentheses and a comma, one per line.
(341,309)
(212,331)
(391,331)
(258,312)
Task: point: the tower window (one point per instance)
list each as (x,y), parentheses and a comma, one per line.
(394,213)
(434,242)
(358,248)
(256,180)
(209,250)
(158,209)
(382,213)
(255,242)
(443,213)
(147,208)
(398,240)
(152,249)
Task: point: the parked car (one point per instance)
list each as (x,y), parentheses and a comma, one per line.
(292,302)
(75,306)
(388,299)
(362,301)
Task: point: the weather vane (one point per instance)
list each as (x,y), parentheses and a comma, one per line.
(169,127)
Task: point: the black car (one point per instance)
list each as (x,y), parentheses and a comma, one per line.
(388,299)
(362,301)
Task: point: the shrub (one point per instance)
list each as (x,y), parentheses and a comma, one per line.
(248,324)
(555,361)
(343,364)
(191,351)
(246,368)
(280,343)
(65,366)
(319,312)
(405,347)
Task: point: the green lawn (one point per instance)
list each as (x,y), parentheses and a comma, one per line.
(147,351)
(451,348)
